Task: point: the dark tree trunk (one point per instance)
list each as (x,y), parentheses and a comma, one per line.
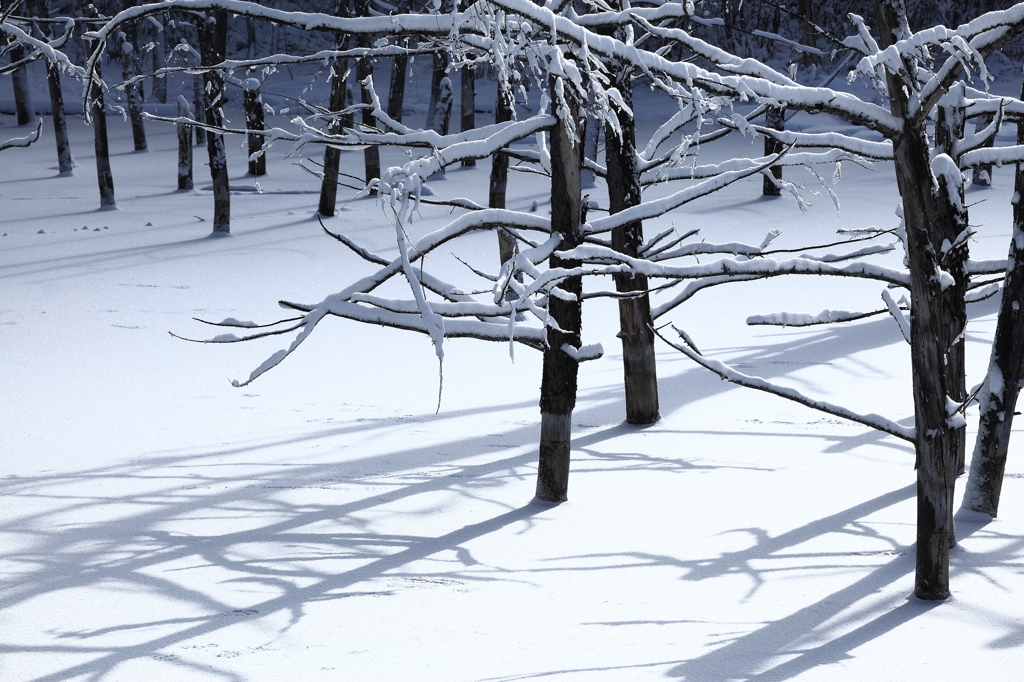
(199,104)
(948,129)
(982,175)
(999,393)
(775,118)
(134,93)
(436,76)
(254,121)
(184,131)
(635,327)
(159,56)
(332,155)
(104,176)
(560,370)
(467,105)
(22,93)
(213,83)
(364,69)
(396,93)
(936,468)
(808,36)
(590,150)
(65,162)
(499,178)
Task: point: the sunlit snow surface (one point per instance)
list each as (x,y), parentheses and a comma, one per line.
(324,524)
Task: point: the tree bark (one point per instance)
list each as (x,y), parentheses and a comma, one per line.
(364,69)
(134,94)
(211,54)
(199,103)
(159,57)
(467,104)
(332,155)
(254,121)
(184,146)
(65,162)
(635,326)
(23,105)
(104,176)
(998,397)
(560,370)
(982,174)
(936,469)
(775,118)
(808,36)
(499,178)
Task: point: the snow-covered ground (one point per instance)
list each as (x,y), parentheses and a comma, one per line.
(324,523)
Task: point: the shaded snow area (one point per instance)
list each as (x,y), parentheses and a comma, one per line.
(323,523)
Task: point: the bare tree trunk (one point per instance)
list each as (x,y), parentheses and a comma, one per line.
(134,94)
(396,93)
(65,162)
(210,50)
(936,468)
(999,393)
(467,104)
(184,145)
(104,176)
(332,155)
(590,150)
(364,69)
(22,93)
(499,178)
(808,36)
(199,103)
(558,385)
(775,118)
(159,57)
(635,326)
(982,175)
(254,121)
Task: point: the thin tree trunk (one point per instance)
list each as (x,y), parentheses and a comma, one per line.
(635,330)
(254,121)
(438,73)
(159,57)
(999,392)
(104,176)
(184,131)
(775,118)
(467,104)
(65,162)
(936,468)
(134,94)
(213,83)
(199,103)
(396,93)
(499,179)
(332,155)
(590,150)
(808,36)
(560,370)
(22,93)
(364,69)
(982,174)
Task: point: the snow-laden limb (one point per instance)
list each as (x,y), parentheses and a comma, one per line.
(996,156)
(692,288)
(897,314)
(36,49)
(985,267)
(868,149)
(25,141)
(758,267)
(785,319)
(698,172)
(734,376)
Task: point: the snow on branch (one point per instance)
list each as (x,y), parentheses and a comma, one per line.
(29,139)
(733,376)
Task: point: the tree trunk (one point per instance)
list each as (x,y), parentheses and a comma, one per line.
(213,83)
(558,385)
(134,93)
(808,36)
(184,145)
(332,155)
(65,162)
(436,76)
(999,393)
(22,93)
(159,57)
(635,326)
(775,118)
(590,150)
(199,103)
(364,69)
(254,121)
(499,178)
(467,104)
(396,93)
(936,468)
(104,176)
(982,175)
(948,129)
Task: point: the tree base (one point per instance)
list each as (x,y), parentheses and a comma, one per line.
(553,466)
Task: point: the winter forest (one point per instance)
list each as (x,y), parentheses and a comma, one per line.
(312,310)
